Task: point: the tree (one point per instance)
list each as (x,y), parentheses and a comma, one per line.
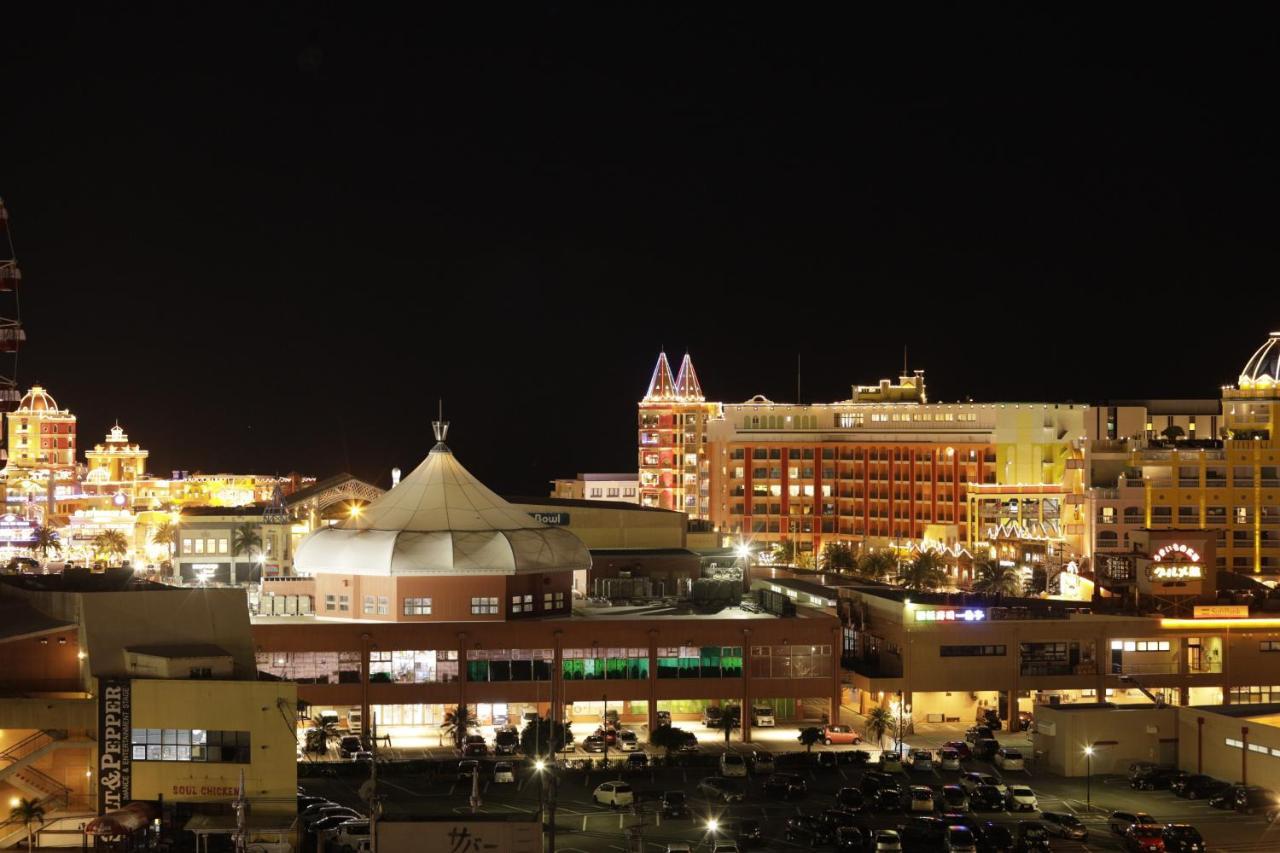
(324,732)
(668,738)
(1173,432)
(784,552)
(45,539)
(245,539)
(923,573)
(877,564)
(28,812)
(110,544)
(166,533)
(809,736)
(839,557)
(994,579)
(730,719)
(455,725)
(880,723)
(543,737)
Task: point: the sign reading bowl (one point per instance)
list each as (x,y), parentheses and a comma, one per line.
(557,518)
(951,615)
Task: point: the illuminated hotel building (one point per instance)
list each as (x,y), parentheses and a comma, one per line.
(883,467)
(42,450)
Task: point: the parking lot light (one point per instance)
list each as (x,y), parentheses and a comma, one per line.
(712,824)
(539,765)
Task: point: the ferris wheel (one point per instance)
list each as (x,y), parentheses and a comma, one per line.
(12,335)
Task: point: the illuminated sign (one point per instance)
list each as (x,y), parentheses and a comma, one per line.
(1178,551)
(14,529)
(950,615)
(1221,611)
(553,518)
(1176,571)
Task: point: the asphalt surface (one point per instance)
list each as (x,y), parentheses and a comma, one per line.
(585,826)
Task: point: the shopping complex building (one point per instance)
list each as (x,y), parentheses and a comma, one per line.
(440,593)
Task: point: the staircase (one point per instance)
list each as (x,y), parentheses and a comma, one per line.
(17,759)
(40,785)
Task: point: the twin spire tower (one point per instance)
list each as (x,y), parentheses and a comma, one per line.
(673,441)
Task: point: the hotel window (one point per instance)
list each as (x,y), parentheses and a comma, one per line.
(972,651)
(417,607)
(553,601)
(199,546)
(595,491)
(384,606)
(1148,646)
(482,606)
(630,492)
(344,603)
(330,602)
(413,666)
(370,604)
(208,745)
(1255,695)
(1107,515)
(612,492)
(1269,646)
(186,546)
(522,604)
(222,546)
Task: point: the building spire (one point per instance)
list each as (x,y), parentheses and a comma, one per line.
(687,386)
(441,428)
(661,385)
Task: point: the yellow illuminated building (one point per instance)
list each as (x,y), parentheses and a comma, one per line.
(41,468)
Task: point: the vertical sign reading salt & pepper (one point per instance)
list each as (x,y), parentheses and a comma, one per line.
(114,735)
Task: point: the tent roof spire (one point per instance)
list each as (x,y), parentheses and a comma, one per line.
(687,385)
(661,385)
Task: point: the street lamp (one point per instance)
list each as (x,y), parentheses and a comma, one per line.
(1088,779)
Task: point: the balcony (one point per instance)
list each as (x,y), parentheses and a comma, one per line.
(1167,668)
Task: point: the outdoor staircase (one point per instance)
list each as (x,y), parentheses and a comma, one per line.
(16,764)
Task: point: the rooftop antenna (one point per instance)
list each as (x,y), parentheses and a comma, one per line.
(797,378)
(440,427)
(904,360)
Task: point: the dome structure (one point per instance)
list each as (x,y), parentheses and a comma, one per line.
(38,400)
(1262,370)
(441,520)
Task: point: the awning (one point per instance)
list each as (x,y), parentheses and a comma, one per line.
(131,818)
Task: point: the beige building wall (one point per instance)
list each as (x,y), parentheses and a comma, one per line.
(1120,736)
(607,527)
(1203,748)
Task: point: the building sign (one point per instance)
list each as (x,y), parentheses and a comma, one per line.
(951,615)
(554,518)
(1029,530)
(1177,551)
(15,530)
(1174,572)
(1221,611)
(115,731)
(459,836)
(227,791)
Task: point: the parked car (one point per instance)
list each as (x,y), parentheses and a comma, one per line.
(1064,825)
(840,734)
(726,847)
(674,804)
(744,831)
(335,815)
(328,826)
(955,798)
(1031,837)
(690,743)
(1257,800)
(627,741)
(920,760)
(637,761)
(973,734)
(960,747)
(664,718)
(506,741)
(961,839)
(887,801)
(993,837)
(1155,778)
(853,838)
(721,789)
(836,818)
(1119,822)
(352,832)
(613,794)
(1201,789)
(711,716)
(679,847)
(986,749)
(475,745)
(1180,784)
(762,715)
(850,798)
(923,833)
(987,798)
(949,759)
(888,841)
(610,735)
(890,762)
(761,762)
(1020,798)
(349,745)
(593,743)
(733,765)
(785,786)
(503,772)
(921,798)
(827,760)
(970,781)
(1182,838)
(1009,759)
(874,780)
(466,768)
(1144,838)
(809,828)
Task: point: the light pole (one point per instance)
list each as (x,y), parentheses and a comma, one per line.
(1088,779)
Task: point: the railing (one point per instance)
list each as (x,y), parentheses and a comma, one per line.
(1205,668)
(45,784)
(31,743)
(1145,669)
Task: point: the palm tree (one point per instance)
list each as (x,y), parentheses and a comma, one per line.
(326,732)
(244,539)
(809,736)
(110,544)
(839,557)
(880,723)
(992,578)
(45,539)
(923,573)
(29,812)
(166,533)
(877,564)
(455,725)
(729,721)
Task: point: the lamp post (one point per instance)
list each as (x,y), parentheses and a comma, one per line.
(1088,779)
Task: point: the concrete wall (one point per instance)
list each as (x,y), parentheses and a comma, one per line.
(1120,736)
(1204,749)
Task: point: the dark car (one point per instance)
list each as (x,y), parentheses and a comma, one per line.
(1182,838)
(836,818)
(745,831)
(1064,825)
(954,797)
(1256,800)
(675,804)
(874,780)
(1155,778)
(637,761)
(887,801)
(986,748)
(827,760)
(786,786)
(610,735)
(977,733)
(923,832)
(993,837)
(690,743)
(349,746)
(1179,785)
(960,747)
(850,798)
(506,741)
(473,749)
(593,743)
(808,828)
(986,798)
(852,838)
(1203,789)
(1031,837)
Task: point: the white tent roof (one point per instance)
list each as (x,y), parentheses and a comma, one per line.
(441,520)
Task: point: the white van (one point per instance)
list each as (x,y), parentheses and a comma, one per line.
(762,715)
(355,720)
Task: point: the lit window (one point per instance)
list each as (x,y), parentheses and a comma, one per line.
(417,607)
(370,604)
(482,606)
(344,602)
(522,604)
(384,606)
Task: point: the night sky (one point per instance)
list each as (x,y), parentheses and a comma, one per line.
(269,241)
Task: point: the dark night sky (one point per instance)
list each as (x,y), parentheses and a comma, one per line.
(270,240)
